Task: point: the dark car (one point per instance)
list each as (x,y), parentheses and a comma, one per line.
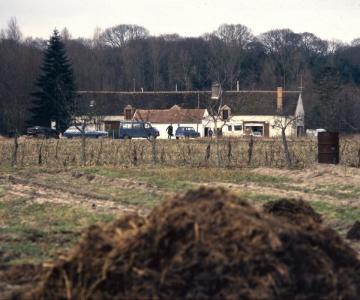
(137,129)
(42,132)
(186,132)
(74,132)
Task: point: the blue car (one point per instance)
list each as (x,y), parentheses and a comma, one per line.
(186,132)
(137,129)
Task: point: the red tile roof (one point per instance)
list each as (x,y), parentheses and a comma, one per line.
(174,115)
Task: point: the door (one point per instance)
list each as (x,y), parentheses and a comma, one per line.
(206,131)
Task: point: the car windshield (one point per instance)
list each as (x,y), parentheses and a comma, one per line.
(77,128)
(148,125)
(72,128)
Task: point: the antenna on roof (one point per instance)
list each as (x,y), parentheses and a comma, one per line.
(301,87)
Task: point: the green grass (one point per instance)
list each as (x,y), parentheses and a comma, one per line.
(336,212)
(338,191)
(20,252)
(178,179)
(261,198)
(137,197)
(32,232)
(331,212)
(8,169)
(2,191)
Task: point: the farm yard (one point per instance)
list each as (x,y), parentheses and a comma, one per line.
(49,196)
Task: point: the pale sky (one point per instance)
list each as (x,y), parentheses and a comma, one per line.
(328,19)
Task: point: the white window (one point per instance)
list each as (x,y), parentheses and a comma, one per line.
(137,125)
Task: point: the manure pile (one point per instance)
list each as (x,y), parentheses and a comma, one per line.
(354,232)
(207,244)
(296,211)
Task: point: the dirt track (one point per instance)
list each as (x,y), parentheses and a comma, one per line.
(86,194)
(329,184)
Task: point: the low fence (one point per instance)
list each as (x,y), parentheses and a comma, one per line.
(242,152)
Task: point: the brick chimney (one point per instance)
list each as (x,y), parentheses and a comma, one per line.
(279,99)
(128,112)
(215,91)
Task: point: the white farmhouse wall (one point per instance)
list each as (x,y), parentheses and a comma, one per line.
(267,119)
(113,118)
(239,120)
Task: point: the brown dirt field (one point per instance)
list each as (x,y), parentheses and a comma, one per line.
(206,244)
(46,195)
(304,184)
(38,189)
(95,194)
(317,174)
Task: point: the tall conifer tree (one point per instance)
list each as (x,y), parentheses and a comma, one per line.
(55,88)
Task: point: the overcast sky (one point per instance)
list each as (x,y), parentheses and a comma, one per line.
(328,19)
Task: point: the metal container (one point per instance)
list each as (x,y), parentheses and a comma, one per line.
(328,148)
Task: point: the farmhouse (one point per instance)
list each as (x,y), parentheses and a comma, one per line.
(238,113)
(262,114)
(176,116)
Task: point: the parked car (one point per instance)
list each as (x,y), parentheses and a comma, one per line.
(314,132)
(137,129)
(186,132)
(257,134)
(42,132)
(74,132)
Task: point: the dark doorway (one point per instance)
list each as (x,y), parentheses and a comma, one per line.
(206,131)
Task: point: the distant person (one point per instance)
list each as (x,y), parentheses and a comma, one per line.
(210,133)
(170,131)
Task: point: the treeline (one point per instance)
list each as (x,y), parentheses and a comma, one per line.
(127,58)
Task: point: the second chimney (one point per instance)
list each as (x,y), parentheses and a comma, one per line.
(279,99)
(215,91)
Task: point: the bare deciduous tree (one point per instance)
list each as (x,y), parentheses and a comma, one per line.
(65,34)
(13,31)
(283,122)
(120,35)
